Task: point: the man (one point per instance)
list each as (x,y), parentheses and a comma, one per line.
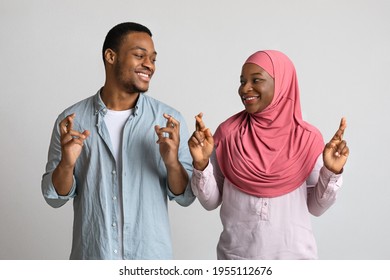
(103,154)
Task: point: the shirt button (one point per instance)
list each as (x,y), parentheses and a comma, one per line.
(114,197)
(114,224)
(115,251)
(113,172)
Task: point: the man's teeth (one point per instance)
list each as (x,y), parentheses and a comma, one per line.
(143,75)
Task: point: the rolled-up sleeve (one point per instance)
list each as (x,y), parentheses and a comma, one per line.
(186,198)
(54,156)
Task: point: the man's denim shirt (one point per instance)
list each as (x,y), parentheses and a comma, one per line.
(95,191)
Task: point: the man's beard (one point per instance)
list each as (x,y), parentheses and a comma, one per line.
(132,88)
(128,85)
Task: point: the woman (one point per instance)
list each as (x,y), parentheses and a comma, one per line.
(267,167)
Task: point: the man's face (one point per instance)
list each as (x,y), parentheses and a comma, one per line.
(135,62)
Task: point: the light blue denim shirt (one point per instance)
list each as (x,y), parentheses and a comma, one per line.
(95,190)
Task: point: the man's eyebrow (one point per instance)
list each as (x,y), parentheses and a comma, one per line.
(142,49)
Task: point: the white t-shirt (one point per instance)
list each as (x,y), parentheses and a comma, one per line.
(115,122)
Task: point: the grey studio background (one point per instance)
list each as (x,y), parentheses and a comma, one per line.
(51,58)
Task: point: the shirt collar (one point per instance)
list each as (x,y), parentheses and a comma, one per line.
(100,107)
(98,103)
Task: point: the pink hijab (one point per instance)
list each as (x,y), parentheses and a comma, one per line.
(270,153)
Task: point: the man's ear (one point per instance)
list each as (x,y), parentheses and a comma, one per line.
(109,56)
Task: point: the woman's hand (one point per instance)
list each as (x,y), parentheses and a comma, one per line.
(336,152)
(201,144)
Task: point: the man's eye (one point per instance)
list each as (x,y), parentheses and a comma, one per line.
(140,56)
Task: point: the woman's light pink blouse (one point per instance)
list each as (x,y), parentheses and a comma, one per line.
(266,228)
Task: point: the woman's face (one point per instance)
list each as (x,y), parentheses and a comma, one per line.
(256,89)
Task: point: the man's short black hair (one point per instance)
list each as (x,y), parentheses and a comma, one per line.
(117,33)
